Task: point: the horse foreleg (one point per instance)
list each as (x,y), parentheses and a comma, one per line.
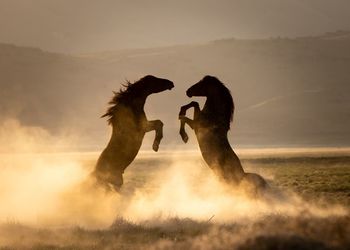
(183,134)
(189,122)
(184,119)
(156,125)
(184,108)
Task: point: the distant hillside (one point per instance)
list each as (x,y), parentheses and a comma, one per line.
(288,92)
(337,35)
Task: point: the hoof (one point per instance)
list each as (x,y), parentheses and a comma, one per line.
(155,146)
(253,184)
(184,136)
(108,182)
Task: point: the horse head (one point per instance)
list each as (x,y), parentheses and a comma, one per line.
(151,85)
(209,85)
(217,95)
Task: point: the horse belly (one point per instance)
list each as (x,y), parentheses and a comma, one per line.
(127,149)
(120,153)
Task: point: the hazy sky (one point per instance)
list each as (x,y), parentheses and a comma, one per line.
(89,25)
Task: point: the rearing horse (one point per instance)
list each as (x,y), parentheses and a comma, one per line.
(129,124)
(211,125)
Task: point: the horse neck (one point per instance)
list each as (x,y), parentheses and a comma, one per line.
(134,105)
(137,103)
(214,112)
(213,104)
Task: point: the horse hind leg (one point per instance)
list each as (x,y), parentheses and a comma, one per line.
(117,182)
(109,182)
(253,183)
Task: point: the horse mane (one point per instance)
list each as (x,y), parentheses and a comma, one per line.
(120,97)
(228,102)
(225,98)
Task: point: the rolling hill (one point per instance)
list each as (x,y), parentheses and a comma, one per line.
(288,92)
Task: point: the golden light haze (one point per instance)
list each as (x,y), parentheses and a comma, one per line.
(53,189)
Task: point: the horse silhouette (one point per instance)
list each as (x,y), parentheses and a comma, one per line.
(211,125)
(129,123)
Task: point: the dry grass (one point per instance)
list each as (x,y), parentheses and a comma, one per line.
(322,181)
(273,232)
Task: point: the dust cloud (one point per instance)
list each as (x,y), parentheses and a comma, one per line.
(40,185)
(185,190)
(54,189)
(174,193)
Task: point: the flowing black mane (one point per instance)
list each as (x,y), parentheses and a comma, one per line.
(228,102)
(122,96)
(225,100)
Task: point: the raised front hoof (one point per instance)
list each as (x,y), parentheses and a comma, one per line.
(155,146)
(184,136)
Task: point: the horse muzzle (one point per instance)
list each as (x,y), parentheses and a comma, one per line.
(188,93)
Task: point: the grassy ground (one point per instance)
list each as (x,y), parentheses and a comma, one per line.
(322,179)
(277,232)
(326,178)
(318,177)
